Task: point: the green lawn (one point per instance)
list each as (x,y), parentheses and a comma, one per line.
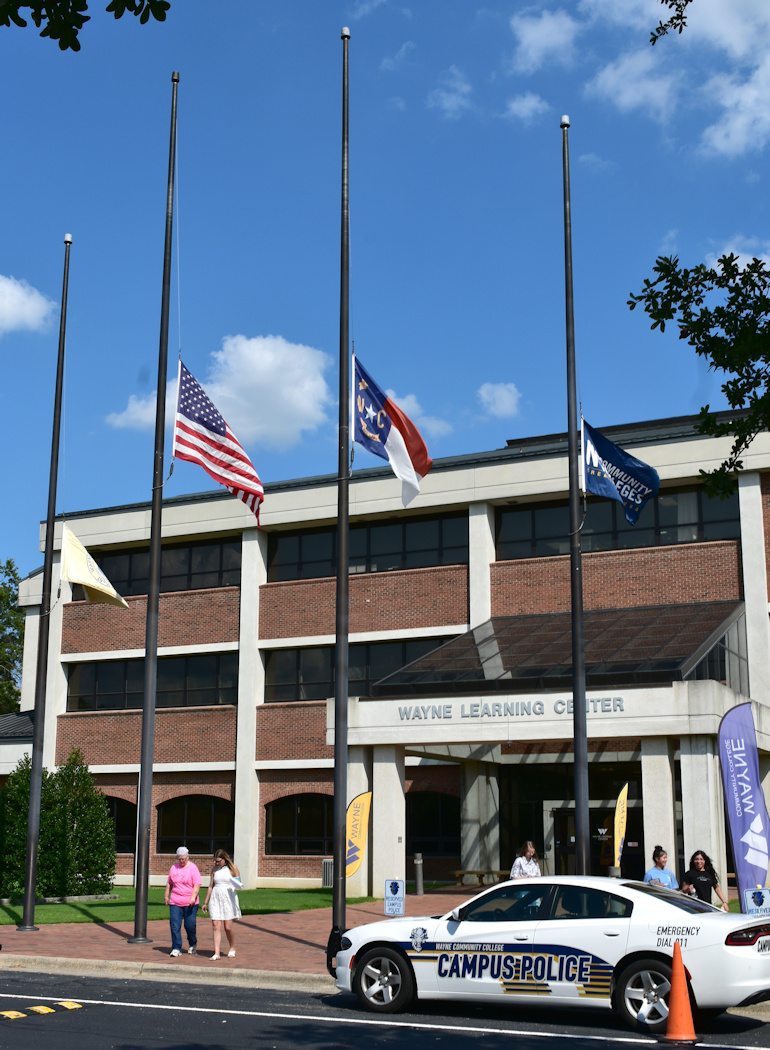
(253,902)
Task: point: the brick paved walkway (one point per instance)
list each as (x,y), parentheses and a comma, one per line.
(290,942)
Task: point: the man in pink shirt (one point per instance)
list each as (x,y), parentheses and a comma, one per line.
(182,887)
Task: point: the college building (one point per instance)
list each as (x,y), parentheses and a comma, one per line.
(460,709)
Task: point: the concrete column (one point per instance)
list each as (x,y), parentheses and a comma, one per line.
(658,797)
(56,685)
(388,816)
(481,554)
(755,585)
(251,690)
(479,816)
(703,815)
(360,780)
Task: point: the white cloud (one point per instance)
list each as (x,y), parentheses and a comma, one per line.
(745,122)
(23,307)
(746,248)
(390,64)
(526,107)
(270,391)
(453,96)
(669,242)
(499,399)
(595,162)
(547,37)
(635,81)
(139,413)
(365,7)
(430,425)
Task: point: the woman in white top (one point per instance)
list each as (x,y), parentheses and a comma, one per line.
(225,880)
(526,866)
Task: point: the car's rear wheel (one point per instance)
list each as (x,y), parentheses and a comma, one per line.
(642,995)
(383,980)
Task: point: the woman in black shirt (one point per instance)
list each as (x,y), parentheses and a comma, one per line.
(702,879)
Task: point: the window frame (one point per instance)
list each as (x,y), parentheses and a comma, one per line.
(212,840)
(326,837)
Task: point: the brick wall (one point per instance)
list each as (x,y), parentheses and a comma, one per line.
(275,784)
(184,618)
(292,731)
(165,786)
(692,572)
(192,734)
(382,601)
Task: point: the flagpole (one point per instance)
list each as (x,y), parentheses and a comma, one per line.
(144,814)
(36,773)
(582,830)
(343,519)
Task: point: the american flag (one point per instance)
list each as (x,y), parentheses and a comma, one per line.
(202,436)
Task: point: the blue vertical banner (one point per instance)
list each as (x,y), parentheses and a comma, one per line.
(745,802)
(610,471)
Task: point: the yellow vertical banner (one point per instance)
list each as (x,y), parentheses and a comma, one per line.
(621,813)
(357,826)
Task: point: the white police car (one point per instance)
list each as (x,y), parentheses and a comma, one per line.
(571,941)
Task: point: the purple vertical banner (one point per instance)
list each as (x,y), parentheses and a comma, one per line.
(745,802)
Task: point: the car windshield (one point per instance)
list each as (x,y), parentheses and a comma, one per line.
(692,905)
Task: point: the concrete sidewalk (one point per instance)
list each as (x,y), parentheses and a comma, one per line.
(271,950)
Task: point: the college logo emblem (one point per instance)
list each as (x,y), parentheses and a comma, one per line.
(418,937)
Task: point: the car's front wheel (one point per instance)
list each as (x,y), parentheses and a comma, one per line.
(383,980)
(642,995)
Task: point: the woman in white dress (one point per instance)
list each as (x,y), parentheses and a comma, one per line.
(225,880)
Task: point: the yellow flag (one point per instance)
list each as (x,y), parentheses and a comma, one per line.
(621,812)
(77,566)
(357,826)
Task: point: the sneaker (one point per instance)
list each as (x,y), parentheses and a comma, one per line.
(192,950)
(174,952)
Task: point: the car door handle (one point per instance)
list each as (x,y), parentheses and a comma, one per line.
(612,933)
(521,936)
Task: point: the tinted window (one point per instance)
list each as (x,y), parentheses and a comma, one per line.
(508,904)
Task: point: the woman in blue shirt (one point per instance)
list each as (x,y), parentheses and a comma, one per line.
(659,875)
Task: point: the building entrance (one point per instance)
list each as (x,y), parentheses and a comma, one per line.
(601,826)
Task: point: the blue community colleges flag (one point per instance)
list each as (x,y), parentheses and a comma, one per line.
(611,472)
(745,804)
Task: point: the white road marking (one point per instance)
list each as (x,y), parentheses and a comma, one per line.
(371,1021)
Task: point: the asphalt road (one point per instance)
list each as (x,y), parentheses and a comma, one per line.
(134,1015)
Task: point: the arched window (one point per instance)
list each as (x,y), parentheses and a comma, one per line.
(123,814)
(200,822)
(300,825)
(432,824)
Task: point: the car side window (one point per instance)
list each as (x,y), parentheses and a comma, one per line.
(508,904)
(576,902)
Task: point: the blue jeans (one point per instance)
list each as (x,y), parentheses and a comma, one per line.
(188,915)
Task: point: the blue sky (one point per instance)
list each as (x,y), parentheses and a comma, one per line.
(457,286)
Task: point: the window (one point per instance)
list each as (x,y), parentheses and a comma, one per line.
(574,902)
(508,904)
(188,567)
(308,674)
(410,543)
(207,680)
(123,814)
(432,824)
(542,530)
(300,825)
(200,822)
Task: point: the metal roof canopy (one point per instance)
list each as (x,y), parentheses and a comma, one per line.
(654,644)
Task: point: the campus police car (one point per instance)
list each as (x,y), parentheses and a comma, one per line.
(582,941)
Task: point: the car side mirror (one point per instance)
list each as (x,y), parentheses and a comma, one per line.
(455,914)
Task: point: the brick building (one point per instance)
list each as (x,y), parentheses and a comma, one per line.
(460,700)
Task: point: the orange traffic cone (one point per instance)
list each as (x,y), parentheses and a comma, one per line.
(680,1027)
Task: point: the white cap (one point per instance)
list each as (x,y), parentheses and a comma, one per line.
(182,851)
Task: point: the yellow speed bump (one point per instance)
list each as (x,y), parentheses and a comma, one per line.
(11,1014)
(70,1006)
(41,1010)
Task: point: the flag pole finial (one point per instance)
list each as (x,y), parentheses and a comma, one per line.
(68,238)
(564,121)
(345,34)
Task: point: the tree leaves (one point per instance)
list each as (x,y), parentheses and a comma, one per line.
(11,638)
(677,21)
(62,20)
(723,312)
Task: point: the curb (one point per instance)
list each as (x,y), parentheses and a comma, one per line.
(241,976)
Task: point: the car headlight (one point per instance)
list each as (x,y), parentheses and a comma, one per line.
(346,943)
